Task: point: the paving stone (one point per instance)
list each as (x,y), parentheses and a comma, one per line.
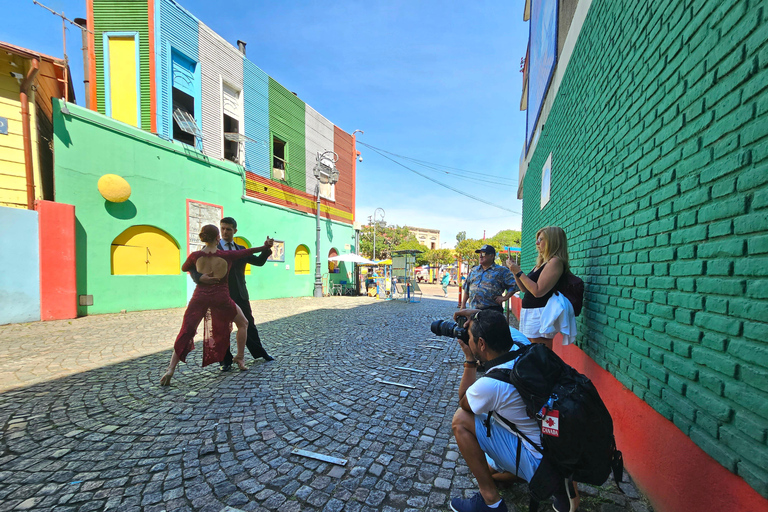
(112,439)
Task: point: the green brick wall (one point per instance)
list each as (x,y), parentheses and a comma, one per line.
(659,142)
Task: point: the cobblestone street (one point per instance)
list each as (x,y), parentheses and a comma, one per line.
(85,425)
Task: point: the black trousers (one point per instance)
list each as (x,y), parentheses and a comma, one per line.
(253,342)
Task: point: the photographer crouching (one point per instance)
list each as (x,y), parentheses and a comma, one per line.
(490,447)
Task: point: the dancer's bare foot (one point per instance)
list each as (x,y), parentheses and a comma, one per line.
(165,380)
(239,361)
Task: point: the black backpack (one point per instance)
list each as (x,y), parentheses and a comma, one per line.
(572,287)
(577,440)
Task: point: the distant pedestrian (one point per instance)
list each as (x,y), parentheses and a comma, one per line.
(445,281)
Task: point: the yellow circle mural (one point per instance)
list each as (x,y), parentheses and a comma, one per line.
(114,188)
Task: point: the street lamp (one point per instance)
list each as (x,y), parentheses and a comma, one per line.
(326,173)
(375,212)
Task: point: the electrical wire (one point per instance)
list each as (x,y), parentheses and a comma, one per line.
(442,184)
(440,167)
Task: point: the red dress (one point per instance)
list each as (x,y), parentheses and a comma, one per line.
(216,298)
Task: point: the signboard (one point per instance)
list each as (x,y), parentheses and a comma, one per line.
(198,215)
(3,126)
(542,41)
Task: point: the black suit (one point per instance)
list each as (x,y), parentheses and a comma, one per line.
(239,293)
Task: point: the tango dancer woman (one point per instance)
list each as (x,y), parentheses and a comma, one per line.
(214,263)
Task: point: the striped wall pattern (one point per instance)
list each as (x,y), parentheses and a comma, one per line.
(177,31)
(286,121)
(318,139)
(123,16)
(220,61)
(256,105)
(343,145)
(283,195)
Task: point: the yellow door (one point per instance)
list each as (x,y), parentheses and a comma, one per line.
(122,79)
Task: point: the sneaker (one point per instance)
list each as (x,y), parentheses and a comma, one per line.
(475,504)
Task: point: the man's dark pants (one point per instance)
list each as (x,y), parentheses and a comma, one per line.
(253,342)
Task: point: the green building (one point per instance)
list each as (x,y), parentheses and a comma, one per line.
(647,143)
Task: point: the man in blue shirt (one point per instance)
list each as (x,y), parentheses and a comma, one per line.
(487,282)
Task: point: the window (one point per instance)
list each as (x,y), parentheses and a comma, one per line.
(121,76)
(144,250)
(185,103)
(279,158)
(432,245)
(301,260)
(231,147)
(230,101)
(184,90)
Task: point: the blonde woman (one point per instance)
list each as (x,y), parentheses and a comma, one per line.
(539,285)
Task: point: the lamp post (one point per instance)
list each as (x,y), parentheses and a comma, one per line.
(326,173)
(375,212)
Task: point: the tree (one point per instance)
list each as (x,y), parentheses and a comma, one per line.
(437,257)
(505,238)
(387,238)
(466,250)
(411,244)
(461,236)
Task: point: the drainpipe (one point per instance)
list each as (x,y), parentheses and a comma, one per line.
(26,85)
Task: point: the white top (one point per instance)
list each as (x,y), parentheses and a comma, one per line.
(487,395)
(558,317)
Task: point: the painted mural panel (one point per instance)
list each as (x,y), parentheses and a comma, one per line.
(220,63)
(200,214)
(543,53)
(256,106)
(177,61)
(319,138)
(122,16)
(287,125)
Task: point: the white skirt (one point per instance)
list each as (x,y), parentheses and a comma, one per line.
(530,323)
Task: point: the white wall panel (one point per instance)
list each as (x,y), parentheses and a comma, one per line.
(318,138)
(220,61)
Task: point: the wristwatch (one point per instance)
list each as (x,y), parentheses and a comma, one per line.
(519,274)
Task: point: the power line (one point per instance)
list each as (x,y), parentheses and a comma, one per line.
(442,184)
(441,168)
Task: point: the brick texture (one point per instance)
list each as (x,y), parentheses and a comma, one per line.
(659,142)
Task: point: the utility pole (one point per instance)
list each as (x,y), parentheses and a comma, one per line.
(64,21)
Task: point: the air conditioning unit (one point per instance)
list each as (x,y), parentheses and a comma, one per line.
(278,174)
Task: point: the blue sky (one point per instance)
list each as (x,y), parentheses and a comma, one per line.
(437,81)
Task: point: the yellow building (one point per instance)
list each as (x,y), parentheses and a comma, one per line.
(28,81)
(426,236)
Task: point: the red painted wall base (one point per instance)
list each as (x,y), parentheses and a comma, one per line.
(58,275)
(670,469)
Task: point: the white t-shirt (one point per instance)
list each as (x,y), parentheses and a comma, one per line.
(488,394)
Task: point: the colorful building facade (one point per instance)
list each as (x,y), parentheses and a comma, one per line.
(649,147)
(184,130)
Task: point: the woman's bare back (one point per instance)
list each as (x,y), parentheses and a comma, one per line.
(212,265)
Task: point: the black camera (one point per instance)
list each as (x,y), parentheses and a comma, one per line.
(451,329)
